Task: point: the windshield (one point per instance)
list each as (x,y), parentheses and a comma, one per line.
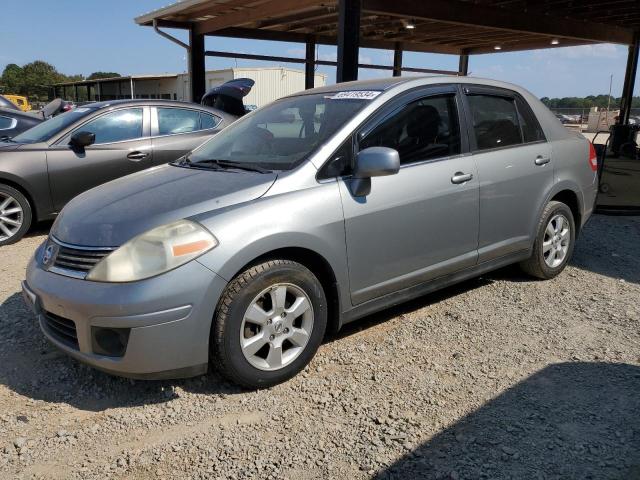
(47,129)
(281,135)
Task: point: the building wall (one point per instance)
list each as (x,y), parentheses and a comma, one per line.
(274,83)
(142,88)
(271,83)
(166,88)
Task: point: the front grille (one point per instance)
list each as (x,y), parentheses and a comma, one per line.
(62,329)
(80,260)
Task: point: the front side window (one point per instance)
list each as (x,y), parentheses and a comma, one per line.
(421,130)
(281,135)
(47,129)
(495,121)
(177,120)
(116,126)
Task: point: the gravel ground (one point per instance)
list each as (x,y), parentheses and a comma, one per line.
(499,377)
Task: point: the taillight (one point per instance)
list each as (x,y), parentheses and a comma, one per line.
(593,158)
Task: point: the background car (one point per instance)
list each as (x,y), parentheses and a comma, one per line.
(6,103)
(46,166)
(564,119)
(13,122)
(67,105)
(21,102)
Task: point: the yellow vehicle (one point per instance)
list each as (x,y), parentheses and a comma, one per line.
(22,102)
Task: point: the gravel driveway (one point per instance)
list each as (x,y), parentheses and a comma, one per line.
(499,377)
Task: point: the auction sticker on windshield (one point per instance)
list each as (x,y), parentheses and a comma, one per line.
(355,95)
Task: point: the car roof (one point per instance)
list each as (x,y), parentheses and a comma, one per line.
(384,84)
(142,102)
(17,113)
(380,84)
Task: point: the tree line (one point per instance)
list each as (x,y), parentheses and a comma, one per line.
(33,80)
(587,102)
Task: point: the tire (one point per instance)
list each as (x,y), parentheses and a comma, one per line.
(15,208)
(550,253)
(263,328)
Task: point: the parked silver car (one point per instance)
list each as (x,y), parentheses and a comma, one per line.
(307,214)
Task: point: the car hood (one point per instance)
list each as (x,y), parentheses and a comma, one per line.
(113,213)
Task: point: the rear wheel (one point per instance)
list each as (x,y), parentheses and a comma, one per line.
(554,243)
(269,323)
(15,215)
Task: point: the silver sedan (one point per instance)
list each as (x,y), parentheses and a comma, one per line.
(304,215)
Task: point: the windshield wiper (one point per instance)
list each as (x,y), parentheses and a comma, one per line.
(229,164)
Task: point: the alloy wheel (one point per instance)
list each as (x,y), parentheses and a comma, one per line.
(11,216)
(276,327)
(557,236)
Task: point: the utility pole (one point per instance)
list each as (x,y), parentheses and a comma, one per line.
(609,99)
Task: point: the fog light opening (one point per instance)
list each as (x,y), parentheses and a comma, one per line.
(111,342)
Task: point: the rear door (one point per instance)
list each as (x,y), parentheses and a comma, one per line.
(515,169)
(176,131)
(122,146)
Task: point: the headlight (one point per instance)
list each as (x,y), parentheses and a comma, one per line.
(154,252)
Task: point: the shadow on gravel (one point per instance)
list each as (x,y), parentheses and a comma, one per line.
(31,367)
(407,307)
(40,228)
(610,246)
(569,421)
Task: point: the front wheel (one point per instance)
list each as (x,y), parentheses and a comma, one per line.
(269,323)
(15,215)
(554,242)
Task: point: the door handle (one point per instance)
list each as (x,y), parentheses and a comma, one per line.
(460,177)
(540,160)
(137,156)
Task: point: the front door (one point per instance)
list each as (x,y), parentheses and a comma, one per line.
(515,170)
(122,146)
(421,223)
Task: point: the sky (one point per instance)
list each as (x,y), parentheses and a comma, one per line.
(84,37)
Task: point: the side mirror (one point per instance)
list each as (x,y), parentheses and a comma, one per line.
(373,162)
(82,139)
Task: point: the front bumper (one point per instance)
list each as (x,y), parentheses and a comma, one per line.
(168,318)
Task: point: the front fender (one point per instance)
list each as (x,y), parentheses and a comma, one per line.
(310,219)
(28,171)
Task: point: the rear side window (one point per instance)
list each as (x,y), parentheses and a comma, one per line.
(116,126)
(531,130)
(421,130)
(495,121)
(208,121)
(177,120)
(6,123)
